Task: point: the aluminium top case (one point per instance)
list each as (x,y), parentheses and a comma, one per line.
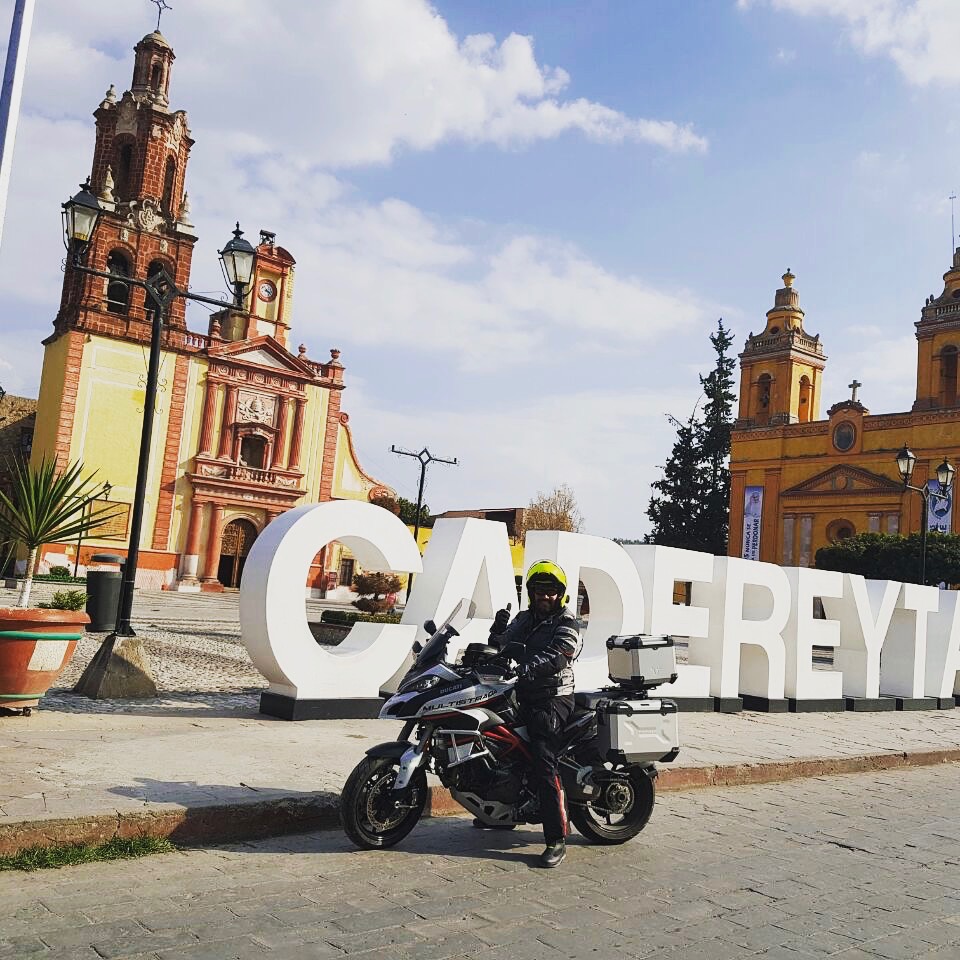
(640,661)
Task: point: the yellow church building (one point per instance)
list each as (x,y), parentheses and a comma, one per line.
(800,482)
(245,428)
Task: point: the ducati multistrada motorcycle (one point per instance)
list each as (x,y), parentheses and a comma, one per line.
(464,720)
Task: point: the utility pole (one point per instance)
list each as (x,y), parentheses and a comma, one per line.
(425,457)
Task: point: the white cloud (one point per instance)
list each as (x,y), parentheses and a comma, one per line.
(332,87)
(344,82)
(513,447)
(889,382)
(920,36)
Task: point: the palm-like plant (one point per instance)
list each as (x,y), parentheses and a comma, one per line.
(45,506)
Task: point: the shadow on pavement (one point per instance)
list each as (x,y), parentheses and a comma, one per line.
(434,836)
(240,704)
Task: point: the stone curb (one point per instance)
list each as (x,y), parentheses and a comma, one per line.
(254,821)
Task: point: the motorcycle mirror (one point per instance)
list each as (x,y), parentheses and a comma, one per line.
(429,626)
(417,646)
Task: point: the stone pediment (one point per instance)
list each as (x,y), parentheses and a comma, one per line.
(844,480)
(263,352)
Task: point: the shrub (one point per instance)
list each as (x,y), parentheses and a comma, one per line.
(342,617)
(60,573)
(373,605)
(880,556)
(66,600)
(347,617)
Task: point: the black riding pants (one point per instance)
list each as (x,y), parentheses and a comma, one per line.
(545,721)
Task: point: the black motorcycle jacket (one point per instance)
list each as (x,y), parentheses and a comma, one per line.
(545,651)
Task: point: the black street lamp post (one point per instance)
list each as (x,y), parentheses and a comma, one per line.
(80,216)
(906,460)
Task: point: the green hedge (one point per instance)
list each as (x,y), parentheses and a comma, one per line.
(348,618)
(47,578)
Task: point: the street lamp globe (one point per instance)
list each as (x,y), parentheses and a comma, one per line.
(945,474)
(236,259)
(80,215)
(906,461)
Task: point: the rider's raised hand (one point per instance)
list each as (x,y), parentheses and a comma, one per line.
(500,621)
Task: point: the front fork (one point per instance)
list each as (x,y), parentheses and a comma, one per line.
(412,759)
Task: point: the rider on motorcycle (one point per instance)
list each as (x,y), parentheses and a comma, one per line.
(544,640)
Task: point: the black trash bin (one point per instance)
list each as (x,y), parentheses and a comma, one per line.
(103,594)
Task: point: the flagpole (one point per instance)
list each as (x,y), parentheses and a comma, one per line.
(11,94)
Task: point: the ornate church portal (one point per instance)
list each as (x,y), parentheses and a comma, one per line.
(235,544)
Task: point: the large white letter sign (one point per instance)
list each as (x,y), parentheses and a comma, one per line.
(803,631)
(943,647)
(273,614)
(465,558)
(612,582)
(864,613)
(659,569)
(903,660)
(749,605)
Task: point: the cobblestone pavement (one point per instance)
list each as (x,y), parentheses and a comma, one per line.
(857,867)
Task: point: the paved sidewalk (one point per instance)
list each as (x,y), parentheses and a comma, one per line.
(200,763)
(209,767)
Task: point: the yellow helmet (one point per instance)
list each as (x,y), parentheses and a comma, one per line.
(549,571)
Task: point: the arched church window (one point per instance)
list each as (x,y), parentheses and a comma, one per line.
(169,176)
(763,391)
(806,400)
(118,290)
(253,452)
(156,76)
(840,530)
(124,168)
(149,304)
(948,373)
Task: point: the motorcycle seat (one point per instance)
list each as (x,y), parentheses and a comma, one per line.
(589,699)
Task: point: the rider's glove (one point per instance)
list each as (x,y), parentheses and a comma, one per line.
(514,650)
(500,622)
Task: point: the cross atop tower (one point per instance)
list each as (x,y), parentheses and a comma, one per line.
(855,386)
(161,6)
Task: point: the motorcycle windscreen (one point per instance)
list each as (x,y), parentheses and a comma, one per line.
(435,648)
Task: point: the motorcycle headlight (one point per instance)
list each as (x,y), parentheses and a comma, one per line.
(424,683)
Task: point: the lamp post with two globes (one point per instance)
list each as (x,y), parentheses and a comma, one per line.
(906,460)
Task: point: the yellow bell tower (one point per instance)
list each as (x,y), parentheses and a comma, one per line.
(938,339)
(781,368)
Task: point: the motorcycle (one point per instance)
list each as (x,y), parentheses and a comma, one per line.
(465,721)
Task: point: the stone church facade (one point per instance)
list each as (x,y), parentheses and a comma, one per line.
(245,427)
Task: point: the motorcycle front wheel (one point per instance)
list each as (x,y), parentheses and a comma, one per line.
(620,812)
(374,817)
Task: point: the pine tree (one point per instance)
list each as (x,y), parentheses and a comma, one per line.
(675,511)
(690,507)
(713,441)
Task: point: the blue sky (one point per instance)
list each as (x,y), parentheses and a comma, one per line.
(520,221)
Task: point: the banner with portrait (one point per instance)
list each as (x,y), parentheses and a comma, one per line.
(752,508)
(939,508)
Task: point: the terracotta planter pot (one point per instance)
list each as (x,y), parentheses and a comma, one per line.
(35,646)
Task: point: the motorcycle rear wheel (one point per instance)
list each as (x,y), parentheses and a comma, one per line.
(622,810)
(372,816)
